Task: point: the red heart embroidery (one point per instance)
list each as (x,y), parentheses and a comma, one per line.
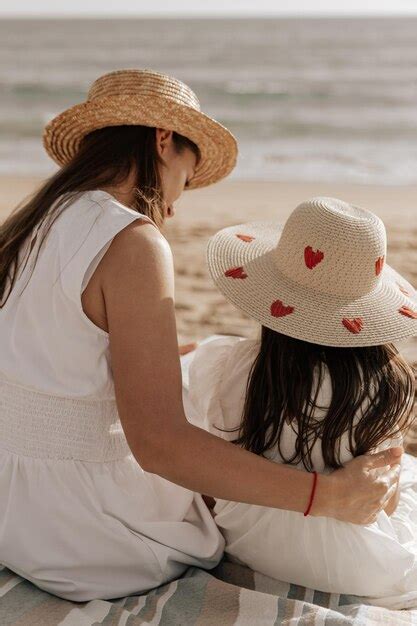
(236,272)
(354,326)
(312,258)
(246,238)
(403,290)
(405,310)
(379,264)
(278,309)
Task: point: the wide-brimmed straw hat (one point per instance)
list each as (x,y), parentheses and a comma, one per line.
(146,98)
(322,277)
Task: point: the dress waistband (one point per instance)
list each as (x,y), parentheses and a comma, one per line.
(40,425)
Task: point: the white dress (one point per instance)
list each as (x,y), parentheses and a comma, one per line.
(377,561)
(78,516)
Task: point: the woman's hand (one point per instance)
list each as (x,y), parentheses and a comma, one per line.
(360,490)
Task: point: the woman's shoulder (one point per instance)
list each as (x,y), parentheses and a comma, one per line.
(87,225)
(95,206)
(136,234)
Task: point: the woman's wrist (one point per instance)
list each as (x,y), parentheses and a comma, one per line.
(324,504)
(312,494)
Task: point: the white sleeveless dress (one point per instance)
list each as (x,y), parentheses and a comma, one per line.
(378,561)
(78,516)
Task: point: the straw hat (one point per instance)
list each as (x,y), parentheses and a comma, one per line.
(322,277)
(150,99)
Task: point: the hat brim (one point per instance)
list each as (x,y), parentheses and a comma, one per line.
(217,145)
(306,314)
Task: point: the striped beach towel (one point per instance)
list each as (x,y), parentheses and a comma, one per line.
(228,595)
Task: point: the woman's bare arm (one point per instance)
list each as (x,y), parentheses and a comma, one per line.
(137,282)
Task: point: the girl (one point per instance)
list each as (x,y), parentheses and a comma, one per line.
(324,383)
(100,472)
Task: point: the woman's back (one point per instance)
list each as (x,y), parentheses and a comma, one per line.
(48,342)
(376,560)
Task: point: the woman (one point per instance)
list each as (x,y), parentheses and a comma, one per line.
(100,472)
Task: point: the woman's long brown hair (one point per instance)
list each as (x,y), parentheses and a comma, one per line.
(105,157)
(373,390)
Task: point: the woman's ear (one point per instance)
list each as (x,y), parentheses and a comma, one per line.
(163,141)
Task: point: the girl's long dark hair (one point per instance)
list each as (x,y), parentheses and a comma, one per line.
(372,399)
(106,157)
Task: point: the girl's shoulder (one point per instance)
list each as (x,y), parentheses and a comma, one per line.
(215,378)
(221,356)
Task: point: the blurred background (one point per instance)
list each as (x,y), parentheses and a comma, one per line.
(320,94)
(309,98)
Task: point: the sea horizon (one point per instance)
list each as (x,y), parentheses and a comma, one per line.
(308,98)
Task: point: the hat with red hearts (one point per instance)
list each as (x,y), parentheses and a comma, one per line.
(321,277)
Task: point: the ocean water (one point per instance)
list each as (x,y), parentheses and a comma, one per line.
(308,99)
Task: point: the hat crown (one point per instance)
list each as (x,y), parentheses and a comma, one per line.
(143,83)
(333,247)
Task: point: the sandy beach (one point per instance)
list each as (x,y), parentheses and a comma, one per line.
(201,309)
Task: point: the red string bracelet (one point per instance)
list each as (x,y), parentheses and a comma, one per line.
(313,491)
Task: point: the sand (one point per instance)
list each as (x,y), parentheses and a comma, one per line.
(201,309)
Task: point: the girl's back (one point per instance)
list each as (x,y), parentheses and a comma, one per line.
(377,560)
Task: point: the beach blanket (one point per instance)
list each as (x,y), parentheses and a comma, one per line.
(228,595)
